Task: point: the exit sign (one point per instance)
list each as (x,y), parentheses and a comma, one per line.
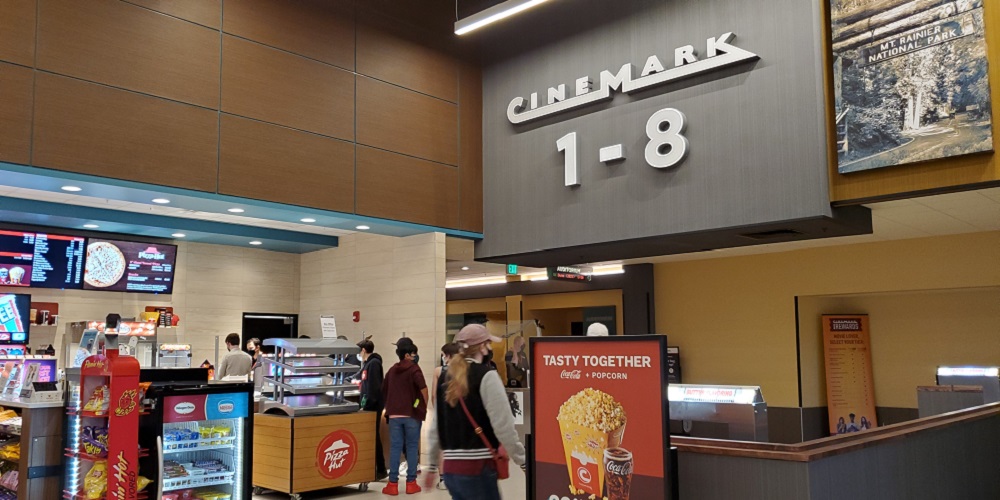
(511,268)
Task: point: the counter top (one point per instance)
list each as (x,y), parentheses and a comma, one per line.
(834,445)
(17,403)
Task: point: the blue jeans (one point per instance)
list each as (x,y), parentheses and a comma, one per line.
(404,433)
(481,487)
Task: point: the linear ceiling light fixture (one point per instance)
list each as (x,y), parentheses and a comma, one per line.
(493,14)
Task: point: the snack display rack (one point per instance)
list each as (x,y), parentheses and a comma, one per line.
(108,399)
(31,442)
(308,436)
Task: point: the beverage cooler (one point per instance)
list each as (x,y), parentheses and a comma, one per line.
(199,436)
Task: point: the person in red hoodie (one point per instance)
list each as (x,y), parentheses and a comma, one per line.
(405,394)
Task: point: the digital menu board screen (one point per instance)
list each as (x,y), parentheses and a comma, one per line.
(14,321)
(129,266)
(41,259)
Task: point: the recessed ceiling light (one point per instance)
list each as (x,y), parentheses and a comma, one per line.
(72,189)
(91,226)
(161,201)
(362,228)
(236,210)
(308,220)
(178,235)
(255,242)
(465,268)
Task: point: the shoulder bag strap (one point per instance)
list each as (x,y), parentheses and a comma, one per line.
(479,430)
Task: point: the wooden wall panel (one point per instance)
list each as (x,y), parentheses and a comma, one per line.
(274,86)
(15,113)
(947,174)
(204,12)
(470,160)
(17,31)
(268,162)
(122,45)
(389,51)
(406,122)
(97,130)
(399,187)
(318,29)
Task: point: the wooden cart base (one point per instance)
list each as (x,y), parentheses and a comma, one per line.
(296,455)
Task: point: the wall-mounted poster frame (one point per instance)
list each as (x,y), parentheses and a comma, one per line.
(910,81)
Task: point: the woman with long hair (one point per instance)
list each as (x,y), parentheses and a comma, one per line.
(471,395)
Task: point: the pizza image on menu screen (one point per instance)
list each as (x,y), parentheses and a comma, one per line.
(105,265)
(129,266)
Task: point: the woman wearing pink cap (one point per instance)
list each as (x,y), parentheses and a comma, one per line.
(471,395)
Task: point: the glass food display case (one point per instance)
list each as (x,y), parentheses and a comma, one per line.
(719,411)
(173,356)
(310,376)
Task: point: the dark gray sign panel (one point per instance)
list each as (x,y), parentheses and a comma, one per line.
(629,129)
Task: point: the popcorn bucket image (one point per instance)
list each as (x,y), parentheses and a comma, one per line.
(590,421)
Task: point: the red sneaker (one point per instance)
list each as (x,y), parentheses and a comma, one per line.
(392,489)
(412,487)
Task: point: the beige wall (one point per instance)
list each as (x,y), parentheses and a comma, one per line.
(912,333)
(214,285)
(734,318)
(396,283)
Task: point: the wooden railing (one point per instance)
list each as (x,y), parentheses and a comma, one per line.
(834,445)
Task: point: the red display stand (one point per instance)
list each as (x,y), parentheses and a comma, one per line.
(119,376)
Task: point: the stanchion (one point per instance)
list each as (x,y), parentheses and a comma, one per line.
(529,472)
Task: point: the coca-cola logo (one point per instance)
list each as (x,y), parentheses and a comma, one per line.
(618,468)
(570,375)
(584,475)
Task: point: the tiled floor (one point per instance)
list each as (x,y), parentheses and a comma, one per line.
(511,489)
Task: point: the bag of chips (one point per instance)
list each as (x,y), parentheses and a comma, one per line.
(95,485)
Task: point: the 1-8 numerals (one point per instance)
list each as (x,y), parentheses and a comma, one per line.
(667,145)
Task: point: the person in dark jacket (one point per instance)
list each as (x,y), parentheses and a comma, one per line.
(371,376)
(405,395)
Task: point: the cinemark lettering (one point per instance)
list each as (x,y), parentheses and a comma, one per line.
(720,54)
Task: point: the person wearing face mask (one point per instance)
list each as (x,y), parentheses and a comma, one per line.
(405,396)
(371,376)
(471,420)
(253,349)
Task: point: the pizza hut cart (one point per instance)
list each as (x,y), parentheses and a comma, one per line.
(309,435)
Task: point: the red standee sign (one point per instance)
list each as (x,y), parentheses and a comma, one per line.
(600,418)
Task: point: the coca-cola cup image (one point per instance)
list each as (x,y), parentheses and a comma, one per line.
(618,466)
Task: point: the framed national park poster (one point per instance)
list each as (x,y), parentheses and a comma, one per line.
(910,80)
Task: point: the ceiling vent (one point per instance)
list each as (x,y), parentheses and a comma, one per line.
(773,235)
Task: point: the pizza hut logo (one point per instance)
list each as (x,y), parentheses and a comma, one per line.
(226,407)
(336,454)
(152,253)
(184,408)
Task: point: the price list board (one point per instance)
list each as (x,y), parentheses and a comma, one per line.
(41,260)
(850,389)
